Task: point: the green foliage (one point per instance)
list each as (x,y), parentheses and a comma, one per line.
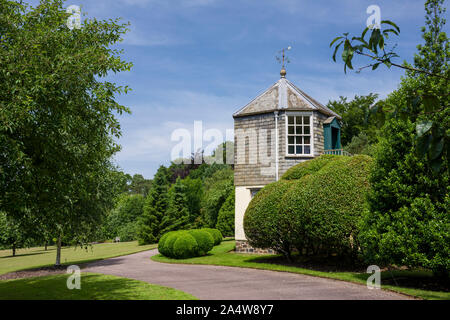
(204,240)
(265,225)
(58,118)
(139,185)
(360,144)
(308,167)
(356,117)
(326,207)
(11,234)
(177,214)
(154,208)
(194,196)
(122,220)
(316,207)
(408,222)
(427,102)
(216,234)
(186,244)
(217,189)
(225,220)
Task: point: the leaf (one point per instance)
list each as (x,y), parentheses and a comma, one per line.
(375,66)
(374,40)
(423,144)
(431,103)
(335,50)
(423,127)
(364,32)
(336,39)
(391,24)
(437,146)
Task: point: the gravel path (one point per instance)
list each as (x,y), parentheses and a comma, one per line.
(229,283)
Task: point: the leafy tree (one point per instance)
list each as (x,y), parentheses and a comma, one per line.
(427,105)
(154,208)
(11,234)
(58,120)
(140,185)
(360,144)
(225,219)
(121,221)
(355,117)
(194,195)
(217,189)
(177,214)
(408,222)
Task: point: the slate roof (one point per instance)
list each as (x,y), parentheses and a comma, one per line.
(283,95)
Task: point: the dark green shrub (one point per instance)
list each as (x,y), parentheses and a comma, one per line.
(204,240)
(225,220)
(265,226)
(325,208)
(308,167)
(408,222)
(216,234)
(165,246)
(185,246)
(316,207)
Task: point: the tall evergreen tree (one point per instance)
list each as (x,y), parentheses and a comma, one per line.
(177,215)
(408,223)
(154,208)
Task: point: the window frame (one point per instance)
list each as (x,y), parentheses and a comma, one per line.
(311,134)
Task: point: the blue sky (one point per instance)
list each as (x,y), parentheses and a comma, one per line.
(205,59)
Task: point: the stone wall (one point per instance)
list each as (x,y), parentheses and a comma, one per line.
(244,247)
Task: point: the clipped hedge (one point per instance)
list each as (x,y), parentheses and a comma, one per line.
(316,207)
(204,240)
(185,244)
(216,234)
(265,226)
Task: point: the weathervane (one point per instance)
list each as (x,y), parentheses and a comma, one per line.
(283,60)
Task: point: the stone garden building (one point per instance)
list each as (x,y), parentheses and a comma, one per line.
(279,129)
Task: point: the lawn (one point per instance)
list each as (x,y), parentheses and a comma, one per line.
(221,256)
(93,287)
(38,257)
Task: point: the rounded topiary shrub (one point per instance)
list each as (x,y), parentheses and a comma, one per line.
(185,246)
(316,207)
(308,167)
(204,240)
(265,226)
(164,246)
(225,219)
(326,207)
(216,234)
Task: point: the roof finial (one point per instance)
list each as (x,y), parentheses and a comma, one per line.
(283,60)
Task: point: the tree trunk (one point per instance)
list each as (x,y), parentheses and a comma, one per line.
(14,250)
(58,252)
(45,246)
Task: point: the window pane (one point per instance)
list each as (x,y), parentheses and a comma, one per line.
(290,120)
(306,120)
(307,149)
(307,140)
(306,130)
(298,120)
(298,150)
(291,130)
(298,140)
(298,130)
(291,140)
(291,149)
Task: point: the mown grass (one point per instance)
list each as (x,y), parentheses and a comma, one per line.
(93,287)
(222,256)
(38,257)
